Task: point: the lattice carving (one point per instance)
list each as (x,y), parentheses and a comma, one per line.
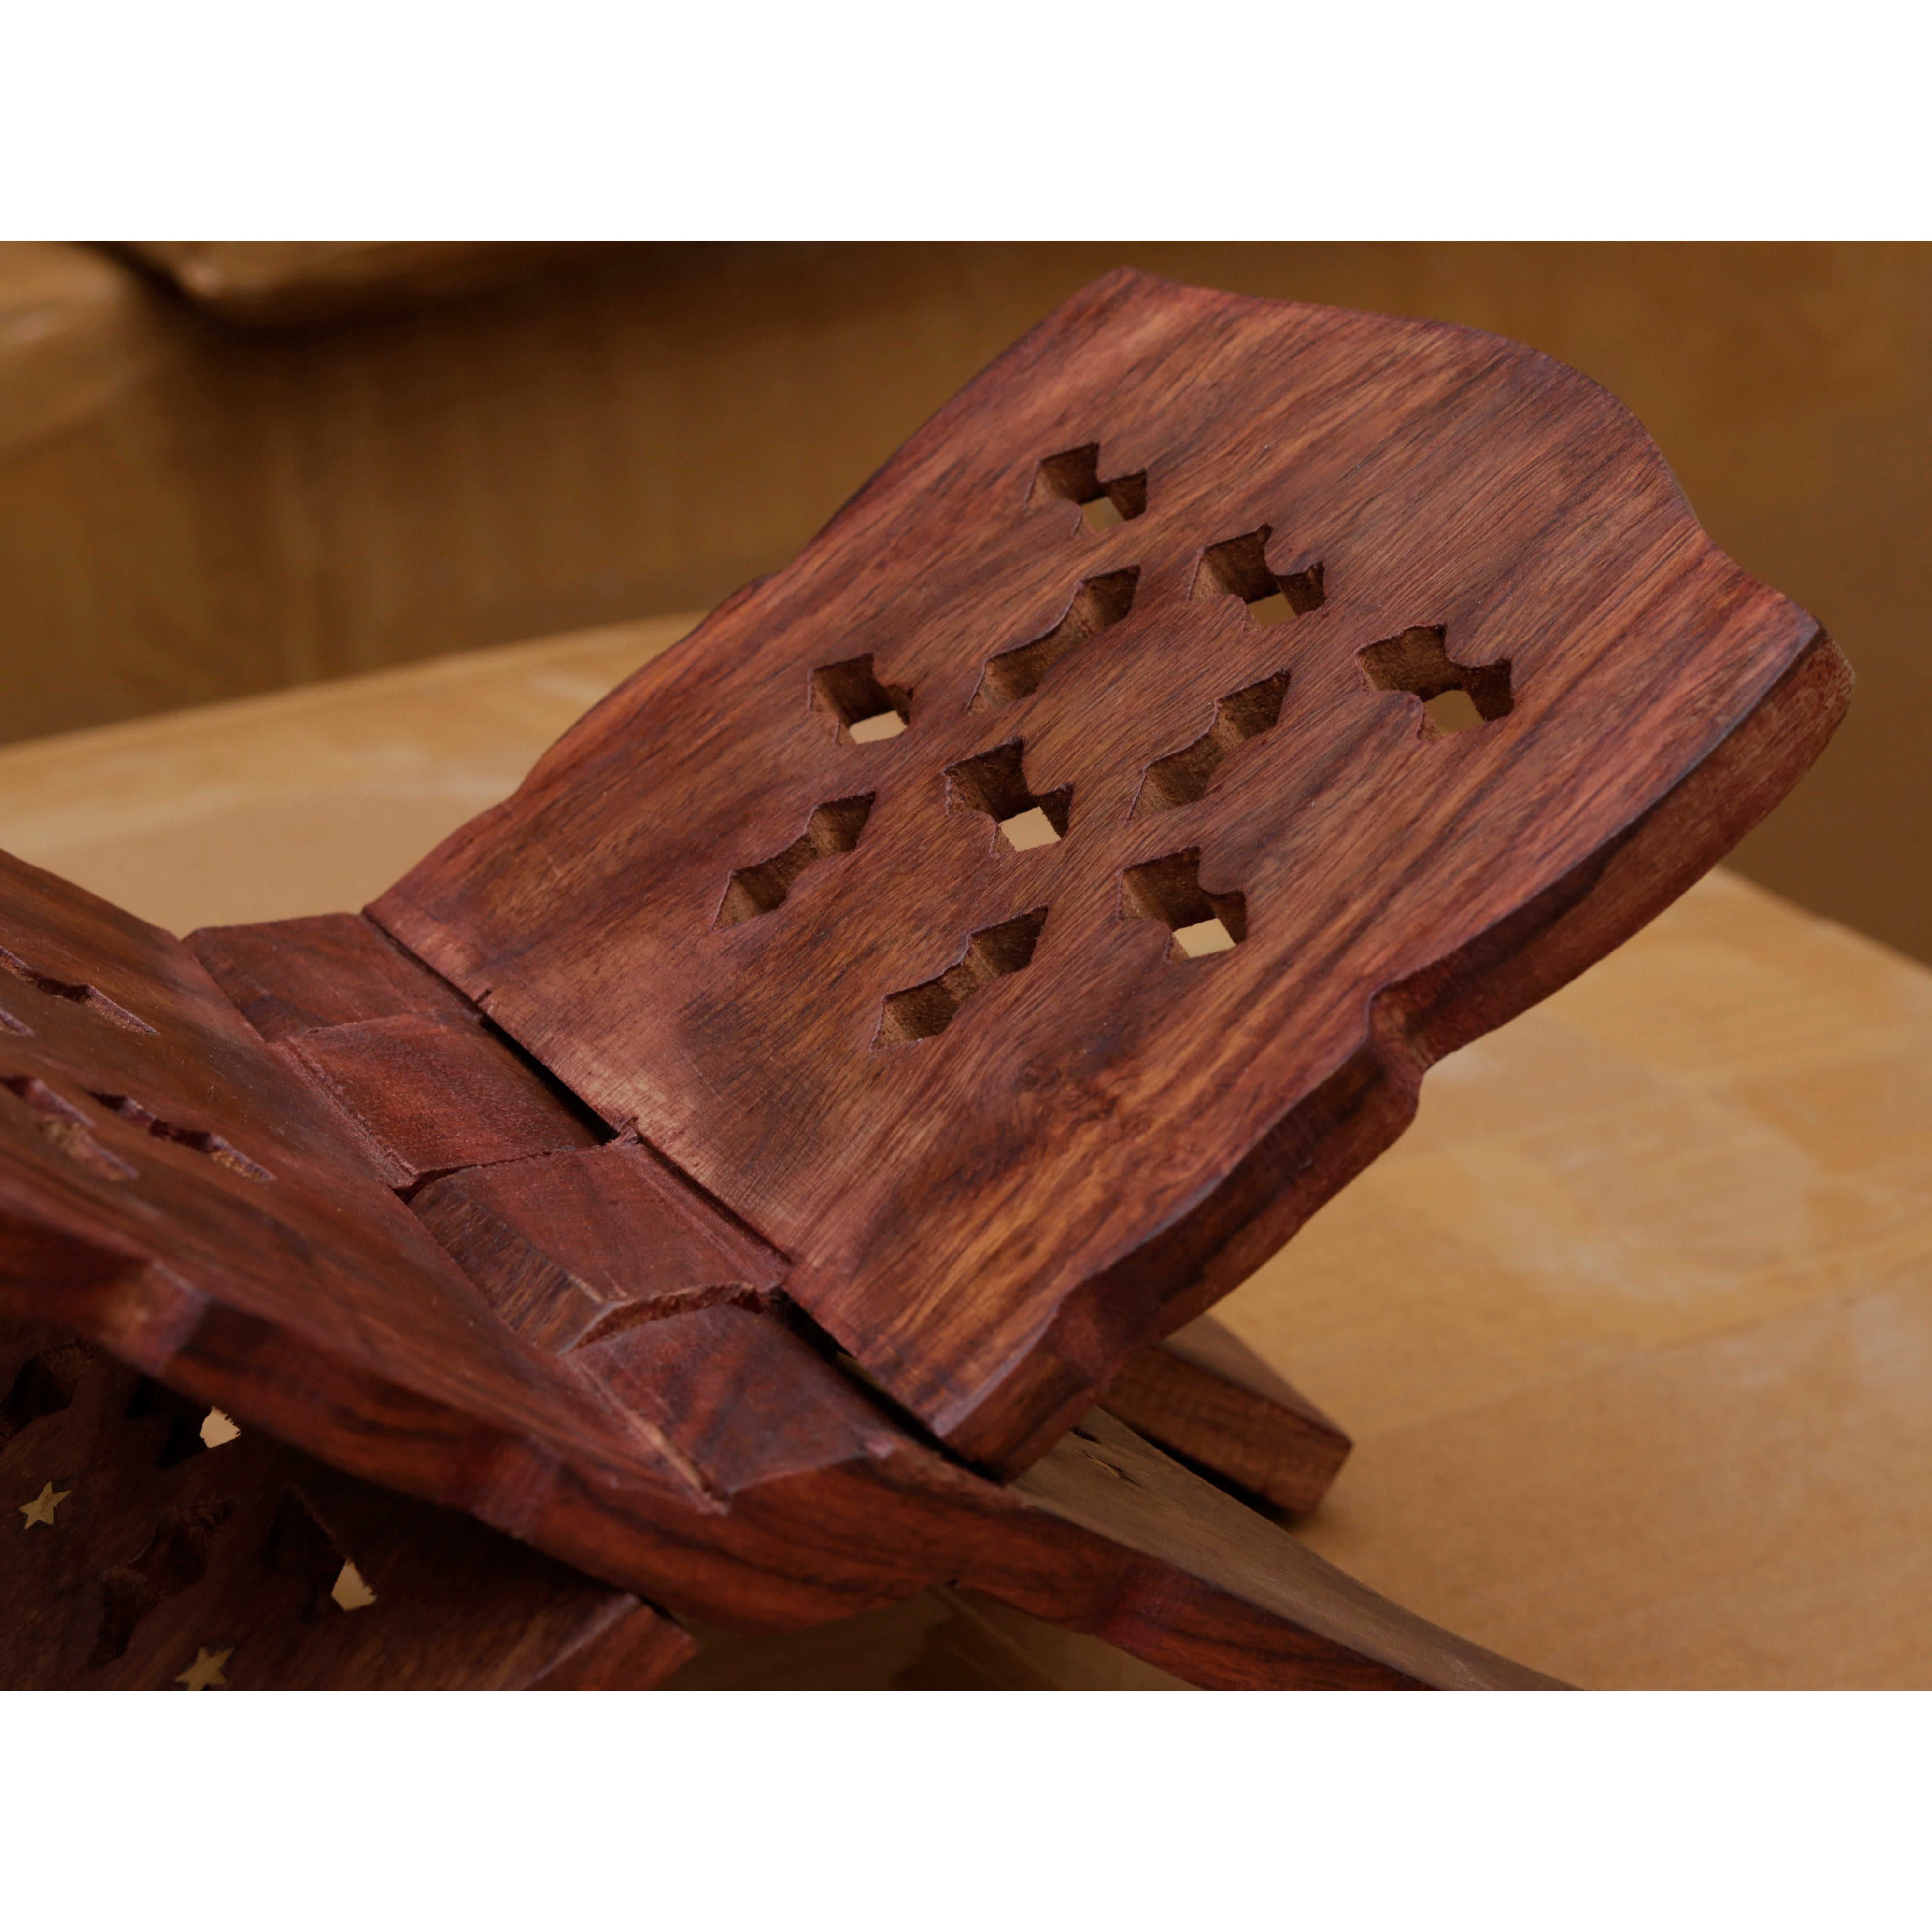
(1169,890)
(994,783)
(1417,662)
(920,1012)
(1182,776)
(1098,603)
(832,828)
(1074,476)
(1238,567)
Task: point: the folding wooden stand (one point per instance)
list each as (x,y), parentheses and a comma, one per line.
(778,1160)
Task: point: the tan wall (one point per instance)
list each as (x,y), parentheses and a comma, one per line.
(191,509)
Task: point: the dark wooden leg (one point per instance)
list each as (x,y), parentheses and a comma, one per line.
(1205,1395)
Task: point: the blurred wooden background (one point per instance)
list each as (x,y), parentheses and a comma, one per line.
(220,474)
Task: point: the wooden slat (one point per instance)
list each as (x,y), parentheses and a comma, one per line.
(569,1248)
(292,976)
(1205,1395)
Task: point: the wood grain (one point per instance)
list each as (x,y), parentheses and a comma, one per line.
(1660,1244)
(714,1461)
(163,1547)
(1105,1536)
(570,1248)
(980,1114)
(993,1207)
(433,1099)
(226,510)
(1203,1394)
(294,975)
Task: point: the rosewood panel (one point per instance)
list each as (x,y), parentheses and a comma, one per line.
(1348,651)
(145,1543)
(886,1018)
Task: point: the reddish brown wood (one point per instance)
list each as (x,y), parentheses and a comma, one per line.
(925,1118)
(1205,1396)
(1105,1534)
(428,1085)
(572,1248)
(161,1548)
(714,1462)
(636,1648)
(432,1098)
(293,975)
(1008,1130)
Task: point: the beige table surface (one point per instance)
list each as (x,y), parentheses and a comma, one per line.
(1632,1328)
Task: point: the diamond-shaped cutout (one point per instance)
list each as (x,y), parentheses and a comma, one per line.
(1239,568)
(1455,697)
(995,783)
(1099,602)
(300,1544)
(1074,476)
(832,828)
(1169,889)
(867,710)
(921,1011)
(67,1127)
(222,1152)
(1182,776)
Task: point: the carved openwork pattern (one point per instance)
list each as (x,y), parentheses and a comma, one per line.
(1074,475)
(76,992)
(833,828)
(988,1217)
(1098,601)
(133,1530)
(1205,922)
(1455,697)
(69,1129)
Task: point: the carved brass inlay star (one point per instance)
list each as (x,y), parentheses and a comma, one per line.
(41,1509)
(205,1672)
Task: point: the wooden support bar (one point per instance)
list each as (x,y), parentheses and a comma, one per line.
(1206,1396)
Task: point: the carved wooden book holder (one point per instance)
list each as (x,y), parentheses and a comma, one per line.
(756,1167)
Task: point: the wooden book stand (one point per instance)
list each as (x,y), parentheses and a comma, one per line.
(750,1174)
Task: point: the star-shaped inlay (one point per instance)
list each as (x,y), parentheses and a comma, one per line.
(41,1509)
(205,1672)
(352,1591)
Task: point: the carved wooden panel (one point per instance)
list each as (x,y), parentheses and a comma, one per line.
(145,1542)
(941,979)
(172,1187)
(1368,678)
(710,1457)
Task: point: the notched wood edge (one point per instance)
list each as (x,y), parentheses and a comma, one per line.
(1313,1152)
(1153,1559)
